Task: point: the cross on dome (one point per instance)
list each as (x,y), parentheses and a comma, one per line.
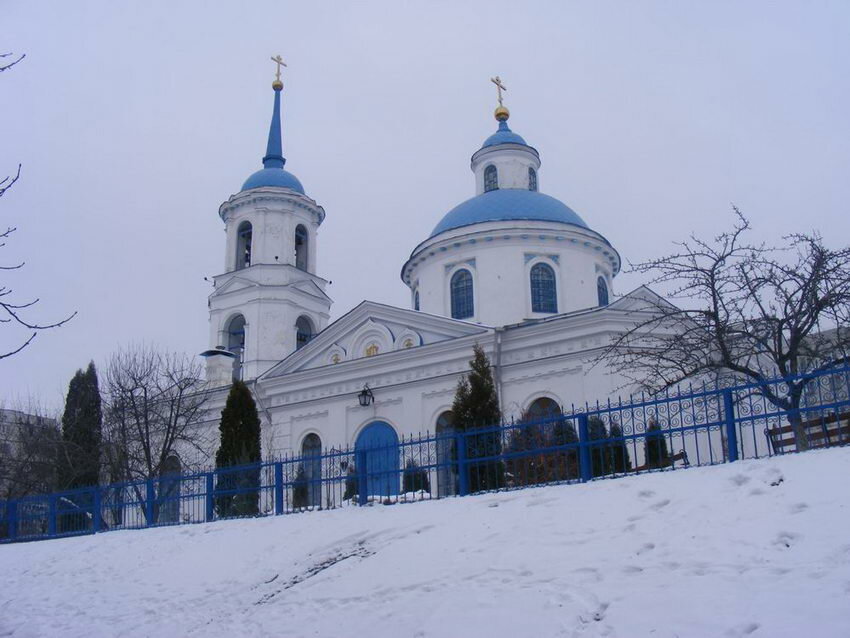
(502,113)
(277,85)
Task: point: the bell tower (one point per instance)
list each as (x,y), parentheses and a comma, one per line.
(269,301)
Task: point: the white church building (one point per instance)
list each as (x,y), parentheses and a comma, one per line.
(511,268)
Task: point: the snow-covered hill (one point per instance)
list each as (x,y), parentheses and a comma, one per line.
(758,548)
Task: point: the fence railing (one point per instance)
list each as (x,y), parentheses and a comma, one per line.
(689,427)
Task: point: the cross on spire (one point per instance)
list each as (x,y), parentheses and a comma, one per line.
(279,62)
(499,87)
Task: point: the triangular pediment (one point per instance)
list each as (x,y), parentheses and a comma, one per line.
(373,328)
(642,299)
(233,284)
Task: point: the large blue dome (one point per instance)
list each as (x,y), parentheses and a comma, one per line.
(273,177)
(508,204)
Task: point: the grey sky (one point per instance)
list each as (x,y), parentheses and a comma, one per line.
(134,122)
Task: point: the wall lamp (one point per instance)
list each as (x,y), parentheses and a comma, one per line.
(366,398)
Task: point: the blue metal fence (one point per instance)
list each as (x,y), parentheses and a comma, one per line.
(689,427)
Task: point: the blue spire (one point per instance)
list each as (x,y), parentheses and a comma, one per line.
(274,151)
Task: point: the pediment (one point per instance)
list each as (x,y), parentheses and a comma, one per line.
(642,299)
(372,328)
(233,284)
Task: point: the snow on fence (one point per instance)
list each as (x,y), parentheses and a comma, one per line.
(697,427)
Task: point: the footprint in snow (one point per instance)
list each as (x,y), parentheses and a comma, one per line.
(660,504)
(744,629)
(796,508)
(646,493)
(740,479)
(786,539)
(646,547)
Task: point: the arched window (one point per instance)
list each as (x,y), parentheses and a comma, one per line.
(301,239)
(243,245)
(416,300)
(602,291)
(311,451)
(532,179)
(169,491)
(542,408)
(446,455)
(544,298)
(236,343)
(491,178)
(461,291)
(303,332)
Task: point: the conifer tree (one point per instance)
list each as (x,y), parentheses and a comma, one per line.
(240,445)
(82,421)
(414,478)
(79,455)
(655,447)
(619,453)
(300,495)
(476,407)
(600,457)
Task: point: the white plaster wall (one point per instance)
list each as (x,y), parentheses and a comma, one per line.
(512,163)
(500,257)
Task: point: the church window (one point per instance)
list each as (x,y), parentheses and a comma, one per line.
(243,245)
(461,293)
(491,178)
(236,343)
(602,291)
(542,408)
(303,332)
(311,453)
(544,297)
(416,300)
(372,350)
(532,179)
(301,240)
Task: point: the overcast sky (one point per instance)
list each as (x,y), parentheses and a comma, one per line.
(135,121)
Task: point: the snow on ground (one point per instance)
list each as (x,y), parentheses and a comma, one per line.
(757,548)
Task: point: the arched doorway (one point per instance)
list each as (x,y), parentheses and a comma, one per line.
(446,455)
(379,443)
(311,452)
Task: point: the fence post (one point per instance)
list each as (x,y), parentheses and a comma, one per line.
(462,472)
(731,431)
(150,497)
(210,497)
(51,515)
(585,471)
(12,518)
(95,510)
(278,488)
(362,479)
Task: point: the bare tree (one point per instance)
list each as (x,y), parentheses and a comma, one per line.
(29,445)
(748,310)
(14,312)
(155,407)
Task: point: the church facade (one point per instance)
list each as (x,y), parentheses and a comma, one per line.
(511,269)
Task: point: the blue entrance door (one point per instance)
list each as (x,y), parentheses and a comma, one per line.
(379,443)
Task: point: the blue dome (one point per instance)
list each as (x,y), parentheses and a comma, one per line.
(508,204)
(273,177)
(503,136)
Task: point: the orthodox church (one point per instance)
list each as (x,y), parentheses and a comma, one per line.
(511,268)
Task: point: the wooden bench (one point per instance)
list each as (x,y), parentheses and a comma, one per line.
(681,456)
(826,431)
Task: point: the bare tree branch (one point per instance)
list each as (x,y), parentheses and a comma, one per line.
(744,310)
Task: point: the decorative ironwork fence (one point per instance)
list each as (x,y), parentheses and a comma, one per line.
(689,427)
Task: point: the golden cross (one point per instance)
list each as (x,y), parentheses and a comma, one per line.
(499,87)
(279,61)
